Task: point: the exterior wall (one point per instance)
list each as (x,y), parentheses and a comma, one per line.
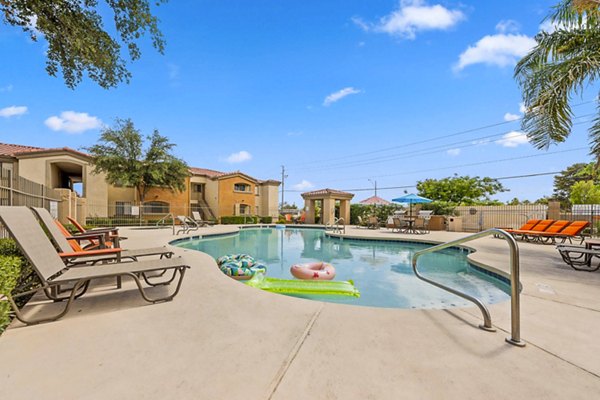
(179,202)
(211,196)
(42,170)
(229,200)
(269,196)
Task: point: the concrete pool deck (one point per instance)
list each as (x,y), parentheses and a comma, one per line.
(219,339)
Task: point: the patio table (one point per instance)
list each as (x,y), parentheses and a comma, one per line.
(410,220)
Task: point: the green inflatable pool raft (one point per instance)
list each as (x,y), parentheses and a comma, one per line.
(295,286)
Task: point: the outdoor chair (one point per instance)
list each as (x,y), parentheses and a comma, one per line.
(52,272)
(373,223)
(573,230)
(399,224)
(360,222)
(422,222)
(186,225)
(72,253)
(113,235)
(579,257)
(197,218)
(537,228)
(546,236)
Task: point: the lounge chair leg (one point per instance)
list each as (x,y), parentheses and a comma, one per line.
(181,271)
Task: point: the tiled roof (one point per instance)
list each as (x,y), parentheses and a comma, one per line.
(376,200)
(13,150)
(326,191)
(7,149)
(206,172)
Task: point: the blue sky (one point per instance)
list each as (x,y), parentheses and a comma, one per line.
(343,93)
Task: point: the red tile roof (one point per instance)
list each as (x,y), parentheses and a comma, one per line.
(376,200)
(211,173)
(7,149)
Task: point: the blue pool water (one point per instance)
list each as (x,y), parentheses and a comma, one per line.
(380,270)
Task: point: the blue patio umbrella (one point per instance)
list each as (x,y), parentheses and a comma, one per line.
(412,199)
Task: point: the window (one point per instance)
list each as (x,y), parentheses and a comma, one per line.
(122,208)
(156,207)
(198,188)
(242,187)
(256,190)
(244,209)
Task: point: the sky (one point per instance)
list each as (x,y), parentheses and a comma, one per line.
(344,94)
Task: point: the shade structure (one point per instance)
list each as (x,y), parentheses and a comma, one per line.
(375,200)
(412,199)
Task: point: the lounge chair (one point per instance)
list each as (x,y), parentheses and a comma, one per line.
(186,224)
(197,218)
(578,257)
(72,253)
(546,235)
(575,229)
(35,246)
(360,222)
(113,234)
(537,228)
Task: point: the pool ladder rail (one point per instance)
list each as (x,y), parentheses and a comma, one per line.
(337,226)
(515,337)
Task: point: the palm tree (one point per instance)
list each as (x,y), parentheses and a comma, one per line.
(562,64)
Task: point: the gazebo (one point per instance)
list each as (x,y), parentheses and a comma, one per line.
(329,198)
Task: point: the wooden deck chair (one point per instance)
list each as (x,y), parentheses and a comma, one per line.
(72,253)
(52,272)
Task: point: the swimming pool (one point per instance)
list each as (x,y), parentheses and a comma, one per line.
(381,270)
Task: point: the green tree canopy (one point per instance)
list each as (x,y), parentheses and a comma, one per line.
(120,154)
(563,182)
(460,189)
(77,40)
(564,62)
(585,192)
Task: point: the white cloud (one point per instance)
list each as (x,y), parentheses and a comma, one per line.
(12,111)
(513,139)
(304,185)
(511,117)
(413,16)
(507,26)
(7,88)
(340,94)
(453,152)
(500,50)
(73,122)
(522,108)
(240,156)
(480,142)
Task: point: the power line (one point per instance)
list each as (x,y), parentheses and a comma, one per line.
(415,153)
(467,165)
(434,138)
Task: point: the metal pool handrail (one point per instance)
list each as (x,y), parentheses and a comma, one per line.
(515,338)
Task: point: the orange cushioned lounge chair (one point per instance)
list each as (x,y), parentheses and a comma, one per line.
(544,236)
(537,228)
(575,229)
(93,244)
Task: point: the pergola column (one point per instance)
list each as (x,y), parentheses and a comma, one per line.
(328,198)
(309,206)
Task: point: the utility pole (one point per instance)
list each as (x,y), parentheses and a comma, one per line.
(283,176)
(374,182)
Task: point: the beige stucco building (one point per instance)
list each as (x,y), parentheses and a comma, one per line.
(67,173)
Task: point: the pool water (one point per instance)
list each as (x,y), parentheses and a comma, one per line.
(382,271)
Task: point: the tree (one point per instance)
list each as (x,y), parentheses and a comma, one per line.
(77,40)
(563,182)
(585,192)
(119,153)
(564,62)
(460,189)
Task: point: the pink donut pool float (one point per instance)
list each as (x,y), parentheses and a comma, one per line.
(317,270)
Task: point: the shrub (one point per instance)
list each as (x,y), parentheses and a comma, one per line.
(14,271)
(266,220)
(239,219)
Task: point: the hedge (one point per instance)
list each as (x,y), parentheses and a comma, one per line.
(14,271)
(248,219)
